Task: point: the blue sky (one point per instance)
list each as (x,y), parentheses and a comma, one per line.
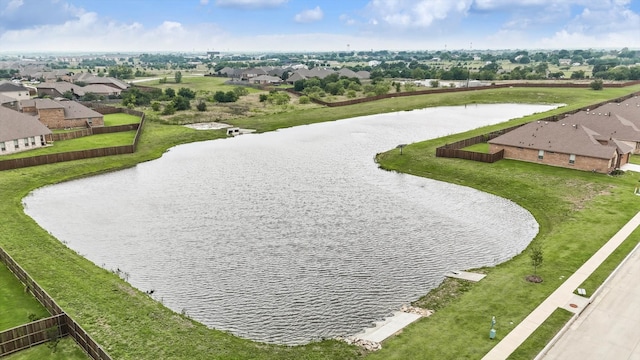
(318,25)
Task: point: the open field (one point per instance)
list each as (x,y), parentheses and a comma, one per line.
(131,325)
(196,83)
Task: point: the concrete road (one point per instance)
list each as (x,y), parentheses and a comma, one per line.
(609,328)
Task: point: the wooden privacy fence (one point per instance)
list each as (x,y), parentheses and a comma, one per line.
(38,332)
(84,154)
(32,334)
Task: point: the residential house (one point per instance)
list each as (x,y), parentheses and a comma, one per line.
(58,89)
(90,79)
(20,132)
(563,144)
(265,80)
(610,124)
(62,114)
(251,73)
(14,91)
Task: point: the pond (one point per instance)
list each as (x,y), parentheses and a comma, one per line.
(294,235)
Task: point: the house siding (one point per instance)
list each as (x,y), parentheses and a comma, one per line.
(584,163)
(10,148)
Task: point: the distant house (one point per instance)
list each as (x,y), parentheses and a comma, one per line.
(251,73)
(90,79)
(14,91)
(265,80)
(62,114)
(20,132)
(564,62)
(563,144)
(59,88)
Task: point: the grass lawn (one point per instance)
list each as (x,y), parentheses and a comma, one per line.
(17,307)
(480,148)
(120,119)
(82,143)
(196,83)
(577,212)
(635,159)
(67,349)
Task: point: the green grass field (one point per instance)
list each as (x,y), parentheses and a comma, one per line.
(66,349)
(196,83)
(577,212)
(120,119)
(82,143)
(17,307)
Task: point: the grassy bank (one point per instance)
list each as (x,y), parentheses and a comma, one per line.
(130,325)
(577,212)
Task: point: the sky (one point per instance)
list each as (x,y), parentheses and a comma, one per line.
(250,26)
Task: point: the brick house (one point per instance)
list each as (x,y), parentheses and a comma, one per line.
(62,114)
(563,144)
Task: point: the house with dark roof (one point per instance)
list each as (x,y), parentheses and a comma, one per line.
(265,80)
(62,114)
(21,132)
(609,124)
(563,144)
(15,91)
(600,139)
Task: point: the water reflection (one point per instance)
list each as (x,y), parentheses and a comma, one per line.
(293,235)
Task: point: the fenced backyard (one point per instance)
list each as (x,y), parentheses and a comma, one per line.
(88,153)
(40,331)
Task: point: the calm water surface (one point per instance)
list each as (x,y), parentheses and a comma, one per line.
(294,235)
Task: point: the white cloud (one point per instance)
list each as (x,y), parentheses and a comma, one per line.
(13,5)
(416,13)
(309,15)
(204,2)
(251,4)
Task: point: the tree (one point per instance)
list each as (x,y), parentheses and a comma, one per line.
(178,77)
(597,84)
(170,93)
(187,93)
(181,103)
(537,257)
(68,95)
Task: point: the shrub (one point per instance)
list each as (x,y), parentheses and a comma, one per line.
(202,106)
(597,84)
(304,100)
(169,109)
(187,93)
(155,106)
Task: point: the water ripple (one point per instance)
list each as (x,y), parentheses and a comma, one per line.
(294,235)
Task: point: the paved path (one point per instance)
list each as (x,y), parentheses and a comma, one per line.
(388,327)
(562,297)
(609,327)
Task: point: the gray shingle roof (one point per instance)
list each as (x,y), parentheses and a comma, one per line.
(15,125)
(557,137)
